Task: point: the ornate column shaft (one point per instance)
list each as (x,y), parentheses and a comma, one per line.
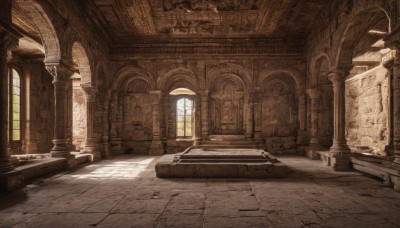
(204,114)
(302,132)
(314,94)
(90,144)
(337,77)
(61,75)
(156,147)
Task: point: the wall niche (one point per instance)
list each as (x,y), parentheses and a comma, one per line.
(279,113)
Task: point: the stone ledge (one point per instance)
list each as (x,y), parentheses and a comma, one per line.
(386,170)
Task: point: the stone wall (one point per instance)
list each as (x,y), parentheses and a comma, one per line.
(241,93)
(367,108)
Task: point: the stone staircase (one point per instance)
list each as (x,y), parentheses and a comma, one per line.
(227,141)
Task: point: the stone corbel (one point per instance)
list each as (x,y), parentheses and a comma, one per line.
(157,95)
(90,91)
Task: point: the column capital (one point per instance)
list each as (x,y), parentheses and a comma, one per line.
(59,70)
(314,92)
(338,75)
(204,92)
(90,91)
(157,94)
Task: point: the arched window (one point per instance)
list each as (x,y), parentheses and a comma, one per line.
(184,117)
(15,105)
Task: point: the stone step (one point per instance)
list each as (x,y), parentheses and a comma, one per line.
(226,137)
(236,142)
(250,146)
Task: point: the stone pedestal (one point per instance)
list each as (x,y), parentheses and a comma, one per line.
(156,147)
(339,150)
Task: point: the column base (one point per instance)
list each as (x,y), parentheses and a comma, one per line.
(116,145)
(96,156)
(156,148)
(6,165)
(312,151)
(11,180)
(196,141)
(338,161)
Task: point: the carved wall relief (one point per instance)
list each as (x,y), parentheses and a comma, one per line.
(137,116)
(279,114)
(367,110)
(226,106)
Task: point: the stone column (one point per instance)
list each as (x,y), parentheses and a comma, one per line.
(340,159)
(204,114)
(302,132)
(156,147)
(61,82)
(9,178)
(314,94)
(197,120)
(257,114)
(249,118)
(31,101)
(396,107)
(104,137)
(90,144)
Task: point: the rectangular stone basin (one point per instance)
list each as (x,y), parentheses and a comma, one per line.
(220,163)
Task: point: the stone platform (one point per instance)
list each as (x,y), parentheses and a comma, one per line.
(221,163)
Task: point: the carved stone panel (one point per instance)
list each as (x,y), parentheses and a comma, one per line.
(367,108)
(226,106)
(278,109)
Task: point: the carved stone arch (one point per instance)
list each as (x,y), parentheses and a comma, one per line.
(42,17)
(317,63)
(132,71)
(182,76)
(232,69)
(355,29)
(185,69)
(297,76)
(81,59)
(136,85)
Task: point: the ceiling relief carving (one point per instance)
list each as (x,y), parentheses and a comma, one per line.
(127,20)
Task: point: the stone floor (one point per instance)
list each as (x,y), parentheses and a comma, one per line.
(124,192)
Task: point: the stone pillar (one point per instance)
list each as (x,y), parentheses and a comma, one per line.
(340,152)
(302,132)
(204,114)
(90,144)
(9,178)
(314,94)
(396,108)
(257,114)
(249,118)
(31,102)
(61,82)
(156,147)
(197,120)
(104,137)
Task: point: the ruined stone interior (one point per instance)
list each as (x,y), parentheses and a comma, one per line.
(99,94)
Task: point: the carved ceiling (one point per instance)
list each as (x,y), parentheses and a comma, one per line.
(126,20)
